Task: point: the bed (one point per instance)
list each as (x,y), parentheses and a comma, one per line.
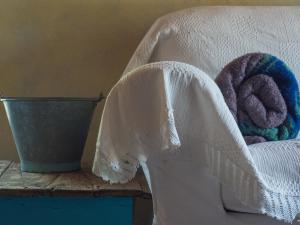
(200,171)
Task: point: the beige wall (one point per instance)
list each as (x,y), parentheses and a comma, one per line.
(75,48)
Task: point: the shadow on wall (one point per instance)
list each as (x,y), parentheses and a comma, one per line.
(74,48)
(143,214)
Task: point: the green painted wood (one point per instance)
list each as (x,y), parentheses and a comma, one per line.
(66,211)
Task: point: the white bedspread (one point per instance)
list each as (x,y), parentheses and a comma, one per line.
(169,106)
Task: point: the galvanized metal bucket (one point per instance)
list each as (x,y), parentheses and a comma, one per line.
(49,133)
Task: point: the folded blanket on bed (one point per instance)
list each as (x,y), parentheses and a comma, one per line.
(263,95)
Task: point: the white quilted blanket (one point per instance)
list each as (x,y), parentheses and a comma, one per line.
(206,38)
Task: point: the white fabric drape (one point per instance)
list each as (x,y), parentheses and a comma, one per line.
(175,108)
(168,107)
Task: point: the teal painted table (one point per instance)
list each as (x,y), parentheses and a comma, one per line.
(76,198)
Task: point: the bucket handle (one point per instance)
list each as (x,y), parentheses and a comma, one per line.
(100,97)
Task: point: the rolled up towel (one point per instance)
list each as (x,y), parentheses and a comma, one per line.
(263,96)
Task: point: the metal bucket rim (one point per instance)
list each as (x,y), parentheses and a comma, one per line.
(58,99)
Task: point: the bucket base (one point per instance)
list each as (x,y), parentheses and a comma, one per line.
(35,167)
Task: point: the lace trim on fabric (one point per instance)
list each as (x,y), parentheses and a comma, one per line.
(120,170)
(247,189)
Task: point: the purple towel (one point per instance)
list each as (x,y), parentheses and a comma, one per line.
(262,95)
